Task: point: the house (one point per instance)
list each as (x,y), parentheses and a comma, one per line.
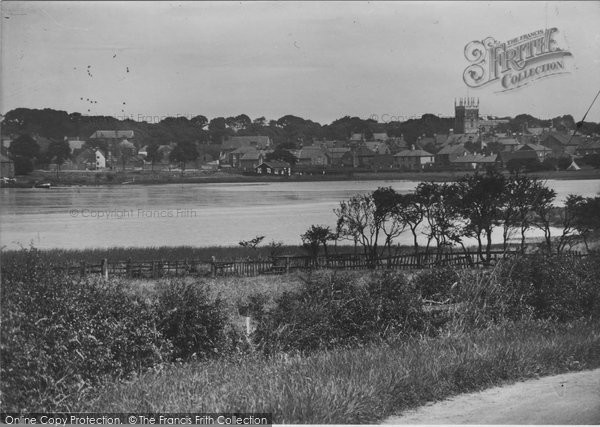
(359,157)
(588,147)
(561,143)
(382,161)
(380,136)
(447,154)
(112,135)
(85,159)
(357,137)
(259,142)
(246,157)
(334,155)
(508,143)
(7,167)
(311,155)
(413,159)
(474,161)
(273,167)
(378,147)
(251,159)
(541,152)
(74,143)
(100,159)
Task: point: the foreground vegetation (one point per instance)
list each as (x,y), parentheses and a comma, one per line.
(328,347)
(362,385)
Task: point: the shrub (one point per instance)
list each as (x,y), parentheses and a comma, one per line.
(59,336)
(555,287)
(436,284)
(539,286)
(193,323)
(333,310)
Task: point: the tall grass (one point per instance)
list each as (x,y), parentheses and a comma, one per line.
(361,385)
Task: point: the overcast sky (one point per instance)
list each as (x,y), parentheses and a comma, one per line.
(320,61)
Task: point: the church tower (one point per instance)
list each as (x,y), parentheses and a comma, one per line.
(466,115)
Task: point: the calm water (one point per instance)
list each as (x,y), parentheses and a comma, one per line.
(187,214)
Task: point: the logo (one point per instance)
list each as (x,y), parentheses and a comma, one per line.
(516,62)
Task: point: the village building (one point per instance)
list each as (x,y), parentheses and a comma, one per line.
(259,142)
(378,147)
(274,167)
(447,154)
(588,147)
(100,159)
(311,156)
(382,161)
(466,116)
(540,151)
(357,158)
(413,159)
(380,136)
(334,155)
(474,161)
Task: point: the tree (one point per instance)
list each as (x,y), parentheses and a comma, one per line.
(184,151)
(24,146)
(386,205)
(357,220)
(542,198)
(569,217)
(441,213)
(411,213)
(282,155)
(516,212)
(316,236)
(59,151)
(480,202)
(153,154)
(587,218)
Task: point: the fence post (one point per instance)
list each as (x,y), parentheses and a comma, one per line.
(105,268)
(128,268)
(287,265)
(83,269)
(154,269)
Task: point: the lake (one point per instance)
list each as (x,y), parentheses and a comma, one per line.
(188,214)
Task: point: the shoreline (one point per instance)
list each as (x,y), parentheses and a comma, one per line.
(82,178)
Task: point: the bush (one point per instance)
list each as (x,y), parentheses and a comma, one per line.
(555,287)
(193,323)
(436,284)
(59,336)
(538,287)
(332,310)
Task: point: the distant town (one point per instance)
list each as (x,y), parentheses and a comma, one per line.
(35,142)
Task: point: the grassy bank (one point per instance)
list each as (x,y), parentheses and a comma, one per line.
(68,178)
(361,385)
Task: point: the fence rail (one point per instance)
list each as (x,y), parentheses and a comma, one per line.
(284,264)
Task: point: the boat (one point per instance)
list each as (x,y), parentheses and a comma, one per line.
(45,185)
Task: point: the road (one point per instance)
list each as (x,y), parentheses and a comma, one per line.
(572,398)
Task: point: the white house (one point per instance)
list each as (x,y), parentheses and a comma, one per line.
(100,160)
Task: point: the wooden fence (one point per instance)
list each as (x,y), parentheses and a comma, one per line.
(283,264)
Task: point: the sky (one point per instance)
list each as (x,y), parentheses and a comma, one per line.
(317,60)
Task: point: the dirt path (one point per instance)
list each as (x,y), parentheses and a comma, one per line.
(561,399)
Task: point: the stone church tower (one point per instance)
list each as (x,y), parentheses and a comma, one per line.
(466,115)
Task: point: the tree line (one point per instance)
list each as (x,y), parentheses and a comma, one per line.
(445,214)
(288,130)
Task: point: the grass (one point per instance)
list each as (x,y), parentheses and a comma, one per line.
(362,385)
